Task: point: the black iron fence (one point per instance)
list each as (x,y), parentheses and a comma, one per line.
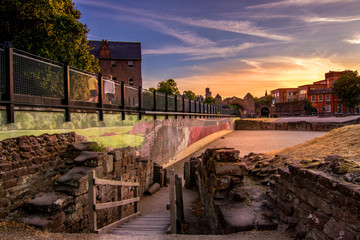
(33,81)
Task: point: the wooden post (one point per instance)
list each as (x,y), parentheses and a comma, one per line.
(92,202)
(136,194)
(179,204)
(10,112)
(172,201)
(119,193)
(187,175)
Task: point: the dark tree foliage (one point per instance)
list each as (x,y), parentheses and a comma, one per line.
(169,86)
(210,100)
(47,28)
(190,94)
(347,88)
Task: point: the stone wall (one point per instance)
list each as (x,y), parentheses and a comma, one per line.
(293,126)
(44,180)
(231,201)
(28,164)
(318,205)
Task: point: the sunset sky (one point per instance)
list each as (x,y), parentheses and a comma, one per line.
(232,46)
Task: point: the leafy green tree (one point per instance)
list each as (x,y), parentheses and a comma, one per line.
(47,28)
(263,101)
(210,100)
(308,107)
(169,86)
(190,94)
(347,88)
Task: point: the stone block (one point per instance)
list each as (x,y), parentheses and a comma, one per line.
(9,183)
(328,181)
(48,202)
(334,230)
(285,174)
(317,220)
(21,172)
(226,155)
(4,176)
(5,167)
(337,198)
(117,154)
(293,169)
(52,223)
(220,194)
(231,169)
(89,159)
(4,213)
(237,194)
(222,182)
(237,218)
(264,224)
(109,164)
(285,207)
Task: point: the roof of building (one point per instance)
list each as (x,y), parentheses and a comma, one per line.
(118,50)
(320,91)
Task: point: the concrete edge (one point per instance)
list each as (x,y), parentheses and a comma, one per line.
(196,146)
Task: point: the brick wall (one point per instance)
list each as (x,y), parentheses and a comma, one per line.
(316,204)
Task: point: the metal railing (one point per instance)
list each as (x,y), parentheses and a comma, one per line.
(32,81)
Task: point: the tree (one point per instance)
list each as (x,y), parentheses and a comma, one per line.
(47,28)
(210,100)
(347,88)
(169,86)
(190,94)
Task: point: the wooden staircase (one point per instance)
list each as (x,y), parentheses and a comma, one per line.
(150,224)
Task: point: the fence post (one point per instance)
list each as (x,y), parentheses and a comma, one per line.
(101,97)
(67,92)
(10,114)
(179,204)
(92,201)
(155,103)
(189,107)
(136,194)
(119,195)
(123,100)
(172,201)
(140,103)
(166,105)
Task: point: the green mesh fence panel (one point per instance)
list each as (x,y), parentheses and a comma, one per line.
(36,77)
(147,99)
(171,103)
(79,86)
(131,96)
(160,101)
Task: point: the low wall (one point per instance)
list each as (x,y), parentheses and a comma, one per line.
(159,139)
(42,183)
(316,204)
(293,126)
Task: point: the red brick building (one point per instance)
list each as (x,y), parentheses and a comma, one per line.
(120,59)
(319,94)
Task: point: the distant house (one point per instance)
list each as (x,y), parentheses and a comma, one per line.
(319,94)
(120,59)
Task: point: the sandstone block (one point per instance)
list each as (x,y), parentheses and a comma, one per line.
(21,172)
(328,181)
(285,207)
(90,159)
(237,218)
(264,224)
(285,174)
(237,194)
(109,164)
(226,155)
(232,169)
(335,231)
(48,202)
(223,182)
(5,167)
(317,220)
(52,223)
(9,183)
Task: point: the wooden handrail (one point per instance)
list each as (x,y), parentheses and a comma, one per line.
(94,207)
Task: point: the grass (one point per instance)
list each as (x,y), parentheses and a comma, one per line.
(344,142)
(115,137)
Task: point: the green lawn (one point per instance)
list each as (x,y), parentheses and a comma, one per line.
(109,136)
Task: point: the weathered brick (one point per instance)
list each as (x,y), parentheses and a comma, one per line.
(5,167)
(7,175)
(21,172)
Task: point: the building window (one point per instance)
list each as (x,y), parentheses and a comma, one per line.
(130,64)
(320,98)
(131,81)
(113,63)
(340,108)
(313,98)
(327,97)
(328,108)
